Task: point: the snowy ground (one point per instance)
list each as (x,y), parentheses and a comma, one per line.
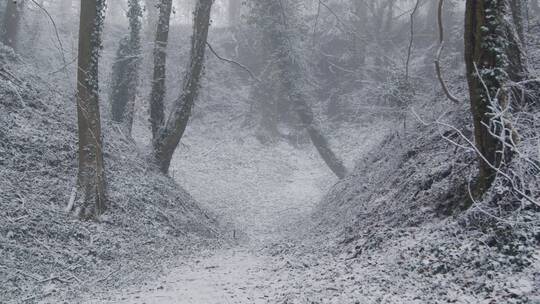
(267,193)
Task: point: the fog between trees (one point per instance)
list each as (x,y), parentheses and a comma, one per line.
(421,114)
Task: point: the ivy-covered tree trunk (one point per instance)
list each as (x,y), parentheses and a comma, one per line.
(273,20)
(486,62)
(171,132)
(125,76)
(157,94)
(265,95)
(90,199)
(11,22)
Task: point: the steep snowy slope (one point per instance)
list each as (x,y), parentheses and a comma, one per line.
(399,220)
(45,251)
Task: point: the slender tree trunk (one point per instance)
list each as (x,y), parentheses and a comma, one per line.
(170,134)
(317,137)
(126,70)
(486,74)
(91,176)
(305,113)
(157,94)
(11,24)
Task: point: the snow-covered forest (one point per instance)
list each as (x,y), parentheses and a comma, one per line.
(270,151)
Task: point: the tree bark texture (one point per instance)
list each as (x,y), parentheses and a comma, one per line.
(169,135)
(486,75)
(91,176)
(126,70)
(157,95)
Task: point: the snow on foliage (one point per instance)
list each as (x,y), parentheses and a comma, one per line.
(47,252)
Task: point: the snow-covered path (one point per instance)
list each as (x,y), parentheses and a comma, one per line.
(262,190)
(226,276)
(266,193)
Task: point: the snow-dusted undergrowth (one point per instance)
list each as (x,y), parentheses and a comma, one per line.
(46,252)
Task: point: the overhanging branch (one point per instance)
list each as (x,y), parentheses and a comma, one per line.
(243,67)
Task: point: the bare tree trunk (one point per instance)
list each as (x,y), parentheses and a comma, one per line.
(157,95)
(294,84)
(283,61)
(484,50)
(126,70)
(317,138)
(91,176)
(11,24)
(170,134)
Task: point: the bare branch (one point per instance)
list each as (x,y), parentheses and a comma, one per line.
(55,29)
(475,149)
(243,67)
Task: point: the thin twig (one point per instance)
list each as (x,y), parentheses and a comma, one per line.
(55,29)
(343,24)
(482,157)
(109,275)
(36,296)
(23,273)
(63,67)
(243,67)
